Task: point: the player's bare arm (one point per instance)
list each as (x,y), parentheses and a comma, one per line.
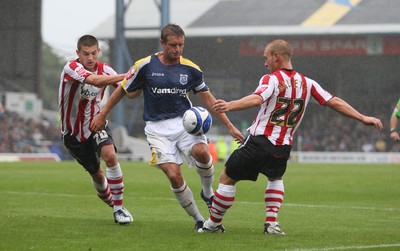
(347,110)
(99,121)
(103,80)
(247,102)
(208,100)
(134,94)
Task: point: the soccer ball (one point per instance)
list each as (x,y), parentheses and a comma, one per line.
(197,120)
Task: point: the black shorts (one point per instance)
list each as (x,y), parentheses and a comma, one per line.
(88,153)
(257,155)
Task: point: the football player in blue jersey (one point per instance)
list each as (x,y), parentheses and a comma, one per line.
(166,78)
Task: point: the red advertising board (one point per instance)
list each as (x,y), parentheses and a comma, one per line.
(329,45)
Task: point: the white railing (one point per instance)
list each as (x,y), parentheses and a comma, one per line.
(345,157)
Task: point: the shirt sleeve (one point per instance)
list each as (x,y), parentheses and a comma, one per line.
(76,71)
(318,93)
(135,79)
(396,110)
(266,87)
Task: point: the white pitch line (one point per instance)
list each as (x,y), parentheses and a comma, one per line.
(330,206)
(236,202)
(324,206)
(348,247)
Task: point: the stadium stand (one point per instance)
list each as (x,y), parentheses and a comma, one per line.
(354,57)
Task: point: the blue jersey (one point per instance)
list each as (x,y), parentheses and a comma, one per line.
(165,88)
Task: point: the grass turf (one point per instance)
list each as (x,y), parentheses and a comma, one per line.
(53,206)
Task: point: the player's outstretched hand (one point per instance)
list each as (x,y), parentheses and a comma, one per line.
(395,136)
(236,134)
(372,121)
(220,106)
(98,123)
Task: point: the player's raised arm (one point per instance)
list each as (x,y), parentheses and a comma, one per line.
(346,109)
(208,100)
(103,80)
(247,102)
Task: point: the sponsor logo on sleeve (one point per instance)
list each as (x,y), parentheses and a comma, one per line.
(81,71)
(130,74)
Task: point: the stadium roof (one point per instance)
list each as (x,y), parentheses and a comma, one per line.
(261,17)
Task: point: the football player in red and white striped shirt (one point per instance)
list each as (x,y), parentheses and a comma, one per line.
(83,83)
(282,97)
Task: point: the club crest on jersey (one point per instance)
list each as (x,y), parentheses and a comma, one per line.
(281,87)
(183,79)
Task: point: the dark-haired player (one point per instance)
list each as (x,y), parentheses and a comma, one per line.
(83,84)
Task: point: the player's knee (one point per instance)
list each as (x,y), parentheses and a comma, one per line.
(176,180)
(201,153)
(110,158)
(175,176)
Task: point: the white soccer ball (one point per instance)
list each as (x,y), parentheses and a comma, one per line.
(197,120)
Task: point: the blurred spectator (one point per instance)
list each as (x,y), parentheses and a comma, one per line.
(330,132)
(380,144)
(222,148)
(213,150)
(1,108)
(234,145)
(368,147)
(20,135)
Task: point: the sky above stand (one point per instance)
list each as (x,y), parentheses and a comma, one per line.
(63,22)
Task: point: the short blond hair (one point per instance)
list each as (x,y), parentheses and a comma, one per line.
(280,46)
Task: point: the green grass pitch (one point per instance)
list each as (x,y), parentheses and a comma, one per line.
(53,206)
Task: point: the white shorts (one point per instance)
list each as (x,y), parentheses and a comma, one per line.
(168,140)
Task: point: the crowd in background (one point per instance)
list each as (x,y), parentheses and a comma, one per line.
(320,131)
(22,135)
(329,132)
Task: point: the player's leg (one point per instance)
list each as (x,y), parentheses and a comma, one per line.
(182,192)
(101,185)
(163,139)
(241,165)
(114,175)
(275,167)
(84,153)
(205,169)
(274,194)
(223,199)
(196,152)
(105,145)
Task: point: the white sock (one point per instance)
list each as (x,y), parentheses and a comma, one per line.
(206,173)
(185,198)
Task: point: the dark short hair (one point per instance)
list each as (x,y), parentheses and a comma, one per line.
(171,29)
(87,40)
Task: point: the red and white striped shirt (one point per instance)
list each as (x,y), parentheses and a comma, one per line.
(286,95)
(79,102)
